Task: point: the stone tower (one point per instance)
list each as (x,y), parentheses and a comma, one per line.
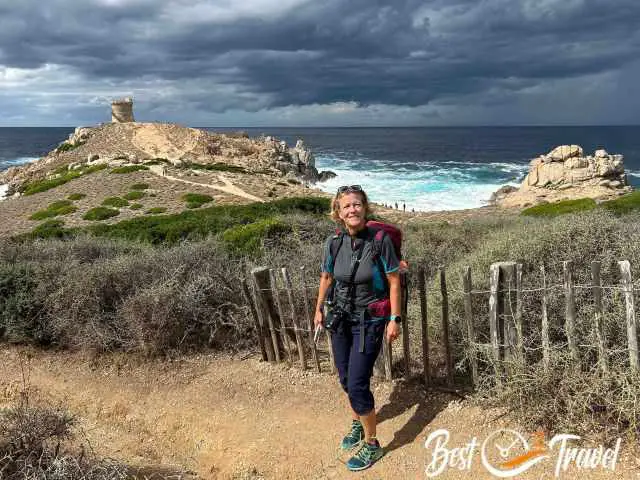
(122,110)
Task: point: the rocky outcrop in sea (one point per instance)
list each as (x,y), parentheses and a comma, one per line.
(566,173)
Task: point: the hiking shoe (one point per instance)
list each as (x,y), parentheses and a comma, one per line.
(354,437)
(365,457)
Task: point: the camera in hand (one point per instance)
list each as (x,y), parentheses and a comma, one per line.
(334,316)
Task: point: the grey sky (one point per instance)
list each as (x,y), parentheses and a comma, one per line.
(330,62)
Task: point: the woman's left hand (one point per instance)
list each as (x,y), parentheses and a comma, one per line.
(393,331)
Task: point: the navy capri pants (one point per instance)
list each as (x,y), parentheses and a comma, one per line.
(354,367)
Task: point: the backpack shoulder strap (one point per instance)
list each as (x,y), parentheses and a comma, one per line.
(334,248)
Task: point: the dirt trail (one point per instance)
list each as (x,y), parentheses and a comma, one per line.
(224,418)
(228,187)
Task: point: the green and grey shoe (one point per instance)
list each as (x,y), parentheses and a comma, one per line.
(365,457)
(354,437)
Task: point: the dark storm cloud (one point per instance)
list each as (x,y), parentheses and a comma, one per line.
(270,54)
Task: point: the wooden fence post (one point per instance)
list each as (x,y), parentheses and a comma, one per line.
(424,326)
(632,335)
(314,349)
(506,317)
(445,326)
(493,320)
(404,280)
(570,312)
(254,316)
(518,320)
(261,281)
(283,325)
(294,319)
(597,318)
(546,349)
(468,314)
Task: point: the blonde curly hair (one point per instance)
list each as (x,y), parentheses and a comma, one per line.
(335,205)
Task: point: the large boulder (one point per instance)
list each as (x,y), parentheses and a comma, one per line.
(563,152)
(566,173)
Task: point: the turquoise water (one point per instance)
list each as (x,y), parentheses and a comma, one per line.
(424,168)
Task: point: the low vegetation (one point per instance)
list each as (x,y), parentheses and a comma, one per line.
(38,442)
(172,282)
(139,186)
(560,208)
(68,147)
(43,185)
(136,206)
(134,195)
(100,213)
(156,210)
(128,169)
(61,207)
(196,200)
(621,205)
(77,196)
(217,167)
(116,202)
(624,204)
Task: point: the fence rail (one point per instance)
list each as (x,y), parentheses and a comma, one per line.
(282,311)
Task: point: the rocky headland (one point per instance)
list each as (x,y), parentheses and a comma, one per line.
(566,173)
(173,163)
(179,148)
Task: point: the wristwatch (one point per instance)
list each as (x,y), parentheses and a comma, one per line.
(396,318)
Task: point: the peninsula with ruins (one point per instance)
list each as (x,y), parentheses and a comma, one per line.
(180,168)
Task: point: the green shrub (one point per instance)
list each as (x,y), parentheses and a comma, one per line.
(249,239)
(199,224)
(49,229)
(560,208)
(129,169)
(61,207)
(62,178)
(624,204)
(157,161)
(100,213)
(47,184)
(196,200)
(114,202)
(217,167)
(139,186)
(67,147)
(19,313)
(94,168)
(156,210)
(77,196)
(135,195)
(136,206)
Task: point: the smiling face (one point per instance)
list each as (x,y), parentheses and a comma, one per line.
(352,211)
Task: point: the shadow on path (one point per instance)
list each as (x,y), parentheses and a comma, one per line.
(404,396)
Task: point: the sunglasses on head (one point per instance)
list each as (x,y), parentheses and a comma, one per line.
(350,188)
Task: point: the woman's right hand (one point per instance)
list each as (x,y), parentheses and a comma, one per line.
(317,319)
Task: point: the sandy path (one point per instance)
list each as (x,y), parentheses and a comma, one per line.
(228,187)
(224,418)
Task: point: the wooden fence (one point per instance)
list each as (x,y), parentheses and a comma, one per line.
(286,333)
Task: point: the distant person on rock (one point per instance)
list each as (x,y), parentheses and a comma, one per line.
(396,205)
(359,301)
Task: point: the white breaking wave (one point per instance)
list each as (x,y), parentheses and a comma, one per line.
(3,191)
(424,187)
(16,161)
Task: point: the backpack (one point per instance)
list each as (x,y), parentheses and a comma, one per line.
(381,230)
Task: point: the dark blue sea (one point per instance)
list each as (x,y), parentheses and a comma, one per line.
(426,168)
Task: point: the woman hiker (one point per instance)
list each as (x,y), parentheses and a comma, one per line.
(356,333)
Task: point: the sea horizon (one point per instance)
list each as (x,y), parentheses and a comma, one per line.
(426,168)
